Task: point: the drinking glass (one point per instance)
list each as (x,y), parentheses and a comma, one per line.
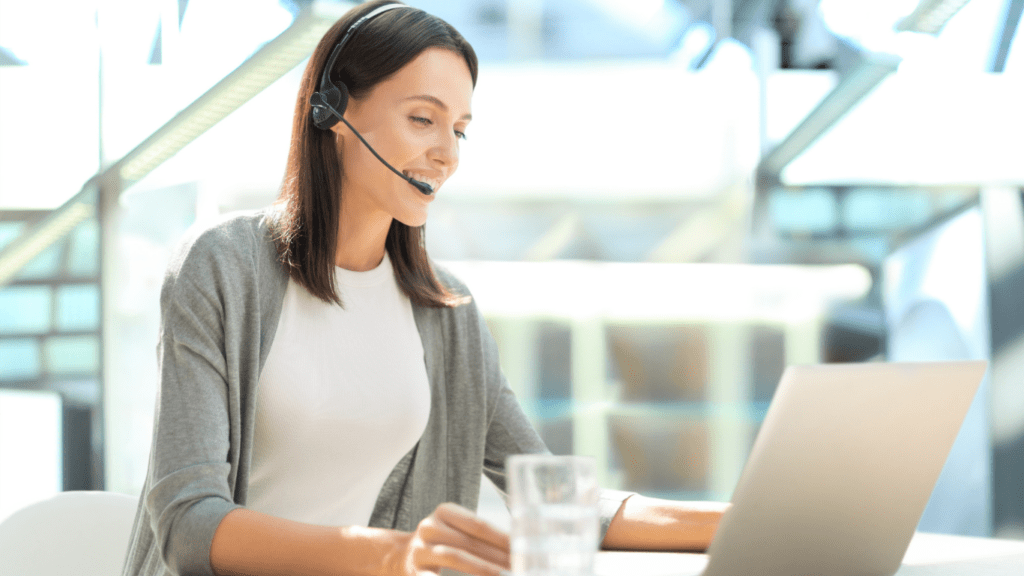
(553,504)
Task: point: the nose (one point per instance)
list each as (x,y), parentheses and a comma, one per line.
(445,151)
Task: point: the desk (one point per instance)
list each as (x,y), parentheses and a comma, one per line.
(928,555)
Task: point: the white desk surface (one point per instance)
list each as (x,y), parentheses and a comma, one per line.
(928,555)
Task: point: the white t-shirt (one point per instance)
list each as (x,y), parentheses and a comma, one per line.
(343,396)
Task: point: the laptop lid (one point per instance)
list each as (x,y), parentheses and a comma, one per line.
(842,468)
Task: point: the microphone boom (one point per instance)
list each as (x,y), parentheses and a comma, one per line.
(317,101)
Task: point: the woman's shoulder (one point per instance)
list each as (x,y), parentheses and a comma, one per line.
(231,244)
(229,231)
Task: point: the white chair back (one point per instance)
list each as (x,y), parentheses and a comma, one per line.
(72,534)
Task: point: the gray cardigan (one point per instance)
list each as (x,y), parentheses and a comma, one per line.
(220,304)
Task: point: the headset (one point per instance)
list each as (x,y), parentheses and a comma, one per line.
(330,102)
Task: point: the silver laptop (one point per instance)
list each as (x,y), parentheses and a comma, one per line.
(842,468)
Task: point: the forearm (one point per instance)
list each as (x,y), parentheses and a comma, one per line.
(251,543)
(653,524)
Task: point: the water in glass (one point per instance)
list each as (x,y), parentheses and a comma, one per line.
(554,540)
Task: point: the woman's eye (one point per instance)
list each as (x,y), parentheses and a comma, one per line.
(428,122)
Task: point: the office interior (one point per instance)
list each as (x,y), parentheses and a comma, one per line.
(661,204)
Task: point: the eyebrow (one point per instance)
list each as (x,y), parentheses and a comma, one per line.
(437,102)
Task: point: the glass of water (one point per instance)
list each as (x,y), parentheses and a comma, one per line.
(553,504)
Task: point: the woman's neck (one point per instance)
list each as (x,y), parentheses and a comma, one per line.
(361,238)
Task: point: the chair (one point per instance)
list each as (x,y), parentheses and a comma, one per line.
(73,533)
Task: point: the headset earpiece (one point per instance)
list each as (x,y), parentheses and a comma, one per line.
(334,96)
(330,102)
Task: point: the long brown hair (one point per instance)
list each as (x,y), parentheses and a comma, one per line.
(306,223)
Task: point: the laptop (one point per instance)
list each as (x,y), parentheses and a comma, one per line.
(842,469)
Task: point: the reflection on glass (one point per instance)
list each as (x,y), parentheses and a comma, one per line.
(78,307)
(25,310)
(72,354)
(19,358)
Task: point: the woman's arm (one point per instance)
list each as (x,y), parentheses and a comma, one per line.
(654,524)
(250,543)
(247,542)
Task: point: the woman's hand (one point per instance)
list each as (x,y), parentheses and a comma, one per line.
(452,537)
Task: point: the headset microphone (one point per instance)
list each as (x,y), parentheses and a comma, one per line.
(332,99)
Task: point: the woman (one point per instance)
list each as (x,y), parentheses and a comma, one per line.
(380,400)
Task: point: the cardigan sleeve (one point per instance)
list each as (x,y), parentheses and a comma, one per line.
(190,462)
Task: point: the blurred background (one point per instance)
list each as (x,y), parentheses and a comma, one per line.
(661,205)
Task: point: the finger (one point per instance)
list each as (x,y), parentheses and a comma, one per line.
(468,523)
(434,558)
(439,533)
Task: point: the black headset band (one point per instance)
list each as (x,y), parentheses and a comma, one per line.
(325,78)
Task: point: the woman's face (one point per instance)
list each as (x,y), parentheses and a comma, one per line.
(414,120)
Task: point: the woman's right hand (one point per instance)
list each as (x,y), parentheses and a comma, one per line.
(452,537)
